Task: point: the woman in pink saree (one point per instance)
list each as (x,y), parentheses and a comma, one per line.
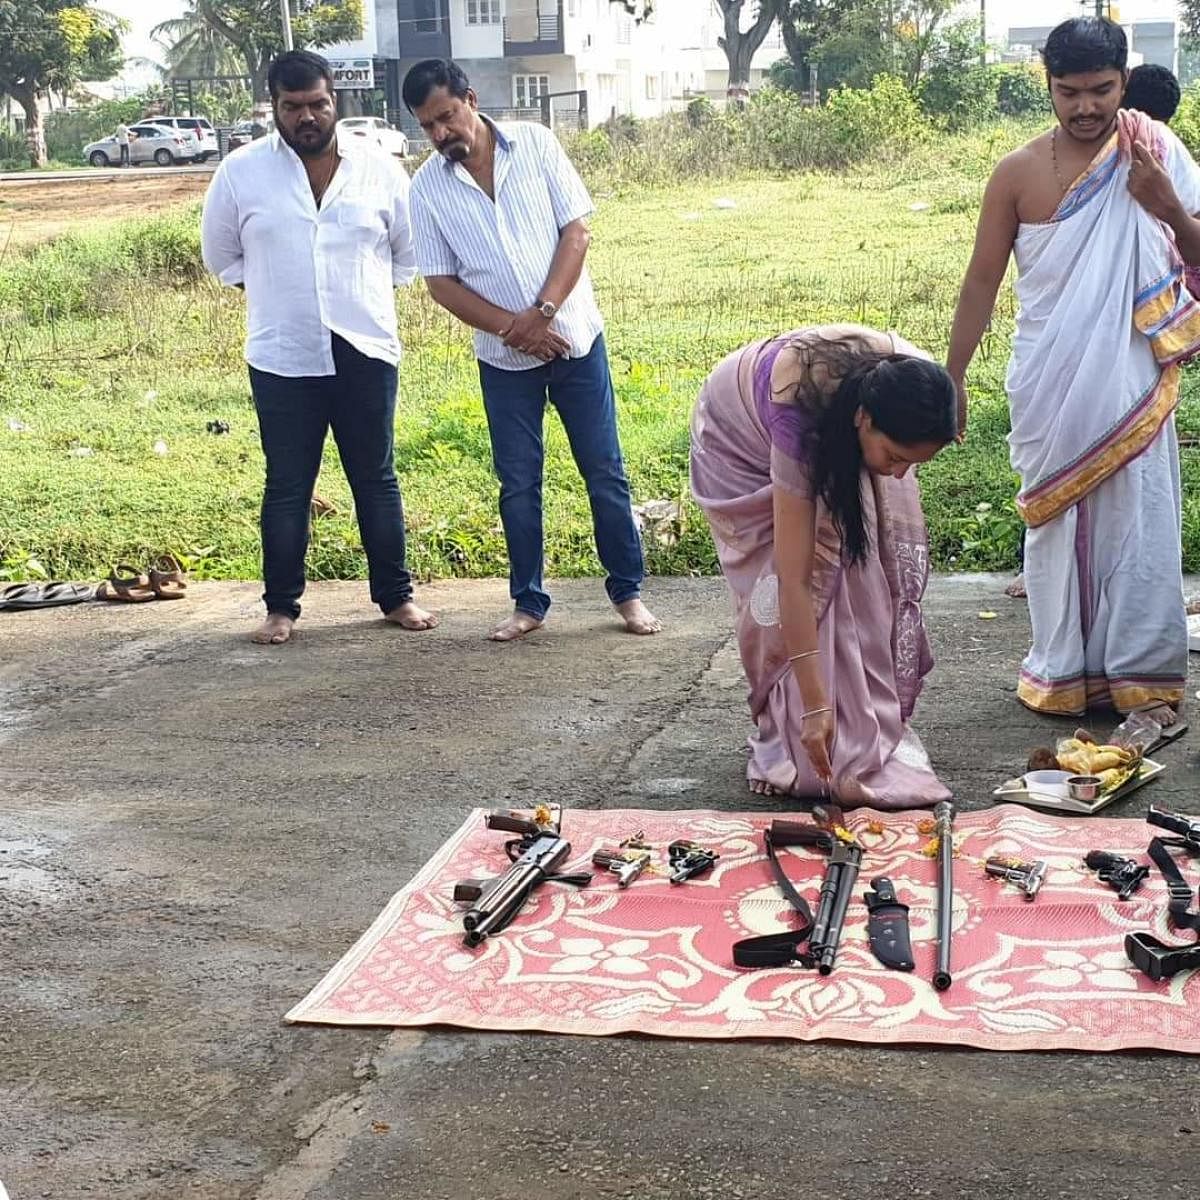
(801,450)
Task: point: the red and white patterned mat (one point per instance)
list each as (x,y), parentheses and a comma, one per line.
(1048,974)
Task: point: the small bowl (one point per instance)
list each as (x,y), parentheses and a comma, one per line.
(1049,783)
(1083,787)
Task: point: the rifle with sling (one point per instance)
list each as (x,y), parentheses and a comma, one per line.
(821,933)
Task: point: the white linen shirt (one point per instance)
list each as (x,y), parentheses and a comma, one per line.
(310,272)
(502,250)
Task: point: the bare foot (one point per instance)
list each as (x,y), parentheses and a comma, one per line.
(1163,714)
(409,616)
(639,619)
(760,787)
(1016,589)
(274,631)
(514,627)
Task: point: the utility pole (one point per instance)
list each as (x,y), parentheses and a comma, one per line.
(983,33)
(287,23)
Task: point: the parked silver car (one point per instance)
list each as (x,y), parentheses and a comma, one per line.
(199,127)
(147,143)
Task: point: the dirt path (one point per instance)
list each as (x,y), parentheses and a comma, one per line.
(34,212)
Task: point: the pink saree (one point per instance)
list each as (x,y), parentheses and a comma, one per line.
(871,635)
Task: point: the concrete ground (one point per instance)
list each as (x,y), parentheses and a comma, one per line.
(196,829)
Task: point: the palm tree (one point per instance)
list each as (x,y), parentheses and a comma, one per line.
(193,49)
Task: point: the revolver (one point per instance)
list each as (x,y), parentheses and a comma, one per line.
(688,859)
(1123,875)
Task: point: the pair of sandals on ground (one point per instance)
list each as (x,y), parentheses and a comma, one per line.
(165,580)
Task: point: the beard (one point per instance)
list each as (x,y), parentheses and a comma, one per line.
(304,144)
(456,151)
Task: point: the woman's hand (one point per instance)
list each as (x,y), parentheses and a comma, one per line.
(816,736)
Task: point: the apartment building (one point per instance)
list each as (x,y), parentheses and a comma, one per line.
(517,50)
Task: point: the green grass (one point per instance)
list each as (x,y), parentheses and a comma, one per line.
(114,341)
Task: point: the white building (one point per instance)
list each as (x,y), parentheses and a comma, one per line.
(514,51)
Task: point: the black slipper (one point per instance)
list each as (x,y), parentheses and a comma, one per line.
(18,591)
(51,595)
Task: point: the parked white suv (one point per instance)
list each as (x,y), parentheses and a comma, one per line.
(200,128)
(375,130)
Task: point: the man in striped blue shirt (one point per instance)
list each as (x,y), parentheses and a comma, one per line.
(498,220)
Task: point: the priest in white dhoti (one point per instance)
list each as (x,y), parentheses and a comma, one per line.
(1099,216)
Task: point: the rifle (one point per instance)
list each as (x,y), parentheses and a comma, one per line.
(1151,956)
(824,931)
(536,855)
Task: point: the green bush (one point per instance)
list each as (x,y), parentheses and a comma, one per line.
(89,273)
(1021,91)
(884,117)
(777,131)
(1186,122)
(13,152)
(960,97)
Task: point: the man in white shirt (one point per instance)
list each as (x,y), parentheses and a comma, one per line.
(318,235)
(498,216)
(122,136)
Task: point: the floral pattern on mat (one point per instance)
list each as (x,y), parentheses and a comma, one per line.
(655,958)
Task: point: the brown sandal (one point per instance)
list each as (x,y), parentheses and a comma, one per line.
(167,578)
(132,587)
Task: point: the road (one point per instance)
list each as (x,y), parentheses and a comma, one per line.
(197,828)
(95,174)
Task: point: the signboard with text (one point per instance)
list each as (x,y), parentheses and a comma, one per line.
(352,73)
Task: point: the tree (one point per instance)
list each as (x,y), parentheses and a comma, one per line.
(252,28)
(740,44)
(916,35)
(193,49)
(845,42)
(47,46)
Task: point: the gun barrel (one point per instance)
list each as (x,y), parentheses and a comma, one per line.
(944,815)
(500,894)
(823,920)
(847,877)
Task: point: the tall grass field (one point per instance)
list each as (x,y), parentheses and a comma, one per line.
(117,351)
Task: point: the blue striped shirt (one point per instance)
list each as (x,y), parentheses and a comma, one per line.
(502,250)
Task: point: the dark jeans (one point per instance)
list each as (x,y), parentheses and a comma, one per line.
(359,402)
(581,390)
(125,156)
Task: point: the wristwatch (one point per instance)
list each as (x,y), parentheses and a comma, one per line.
(546,307)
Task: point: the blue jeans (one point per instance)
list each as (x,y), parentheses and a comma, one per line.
(294,414)
(581,390)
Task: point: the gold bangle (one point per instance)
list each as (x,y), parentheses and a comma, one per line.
(812,712)
(802,654)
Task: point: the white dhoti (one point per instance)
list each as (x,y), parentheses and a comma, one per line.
(1104,322)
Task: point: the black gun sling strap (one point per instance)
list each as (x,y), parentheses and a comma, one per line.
(778,949)
(1178,888)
